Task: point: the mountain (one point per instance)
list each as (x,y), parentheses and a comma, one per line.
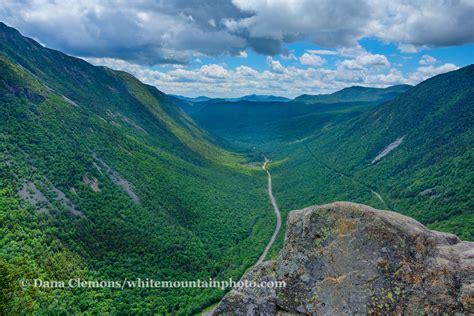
(355,94)
(193,100)
(265,122)
(103,177)
(253,120)
(413,154)
(194,105)
(250,97)
(394,264)
(258,98)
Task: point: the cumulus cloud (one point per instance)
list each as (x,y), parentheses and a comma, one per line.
(288,21)
(419,23)
(160,32)
(427,60)
(289,56)
(131,35)
(243,54)
(214,71)
(423,73)
(246,71)
(361,62)
(409,48)
(411,24)
(220,81)
(322,52)
(145,32)
(275,65)
(352,51)
(310,59)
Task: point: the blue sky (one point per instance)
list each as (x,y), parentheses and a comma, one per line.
(228,48)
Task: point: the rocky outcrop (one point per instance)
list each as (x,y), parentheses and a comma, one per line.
(345,258)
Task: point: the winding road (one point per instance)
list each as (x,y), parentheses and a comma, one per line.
(277,213)
(277,226)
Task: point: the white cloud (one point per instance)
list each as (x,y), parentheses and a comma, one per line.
(218,81)
(144,32)
(423,73)
(289,56)
(410,24)
(418,24)
(214,71)
(160,32)
(243,54)
(246,71)
(362,62)
(393,77)
(374,60)
(311,60)
(408,48)
(364,67)
(275,65)
(322,52)
(353,51)
(427,60)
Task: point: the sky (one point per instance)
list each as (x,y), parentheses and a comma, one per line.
(230,48)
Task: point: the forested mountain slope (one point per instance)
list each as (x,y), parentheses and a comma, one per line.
(355,94)
(103,177)
(414,154)
(250,122)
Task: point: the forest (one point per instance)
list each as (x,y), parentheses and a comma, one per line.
(103,177)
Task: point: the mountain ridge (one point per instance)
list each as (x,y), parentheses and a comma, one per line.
(355,93)
(103,176)
(249,97)
(433,123)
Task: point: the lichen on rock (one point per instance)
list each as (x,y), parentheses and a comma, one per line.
(346,258)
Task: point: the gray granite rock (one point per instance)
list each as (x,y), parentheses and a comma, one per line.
(346,258)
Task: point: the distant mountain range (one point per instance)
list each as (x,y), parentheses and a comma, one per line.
(189,99)
(350,94)
(236,118)
(251,97)
(259,98)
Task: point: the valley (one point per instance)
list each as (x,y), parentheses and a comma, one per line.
(209,310)
(105,177)
(392,152)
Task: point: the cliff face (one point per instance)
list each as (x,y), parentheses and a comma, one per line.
(346,258)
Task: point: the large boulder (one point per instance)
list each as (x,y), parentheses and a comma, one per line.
(346,258)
